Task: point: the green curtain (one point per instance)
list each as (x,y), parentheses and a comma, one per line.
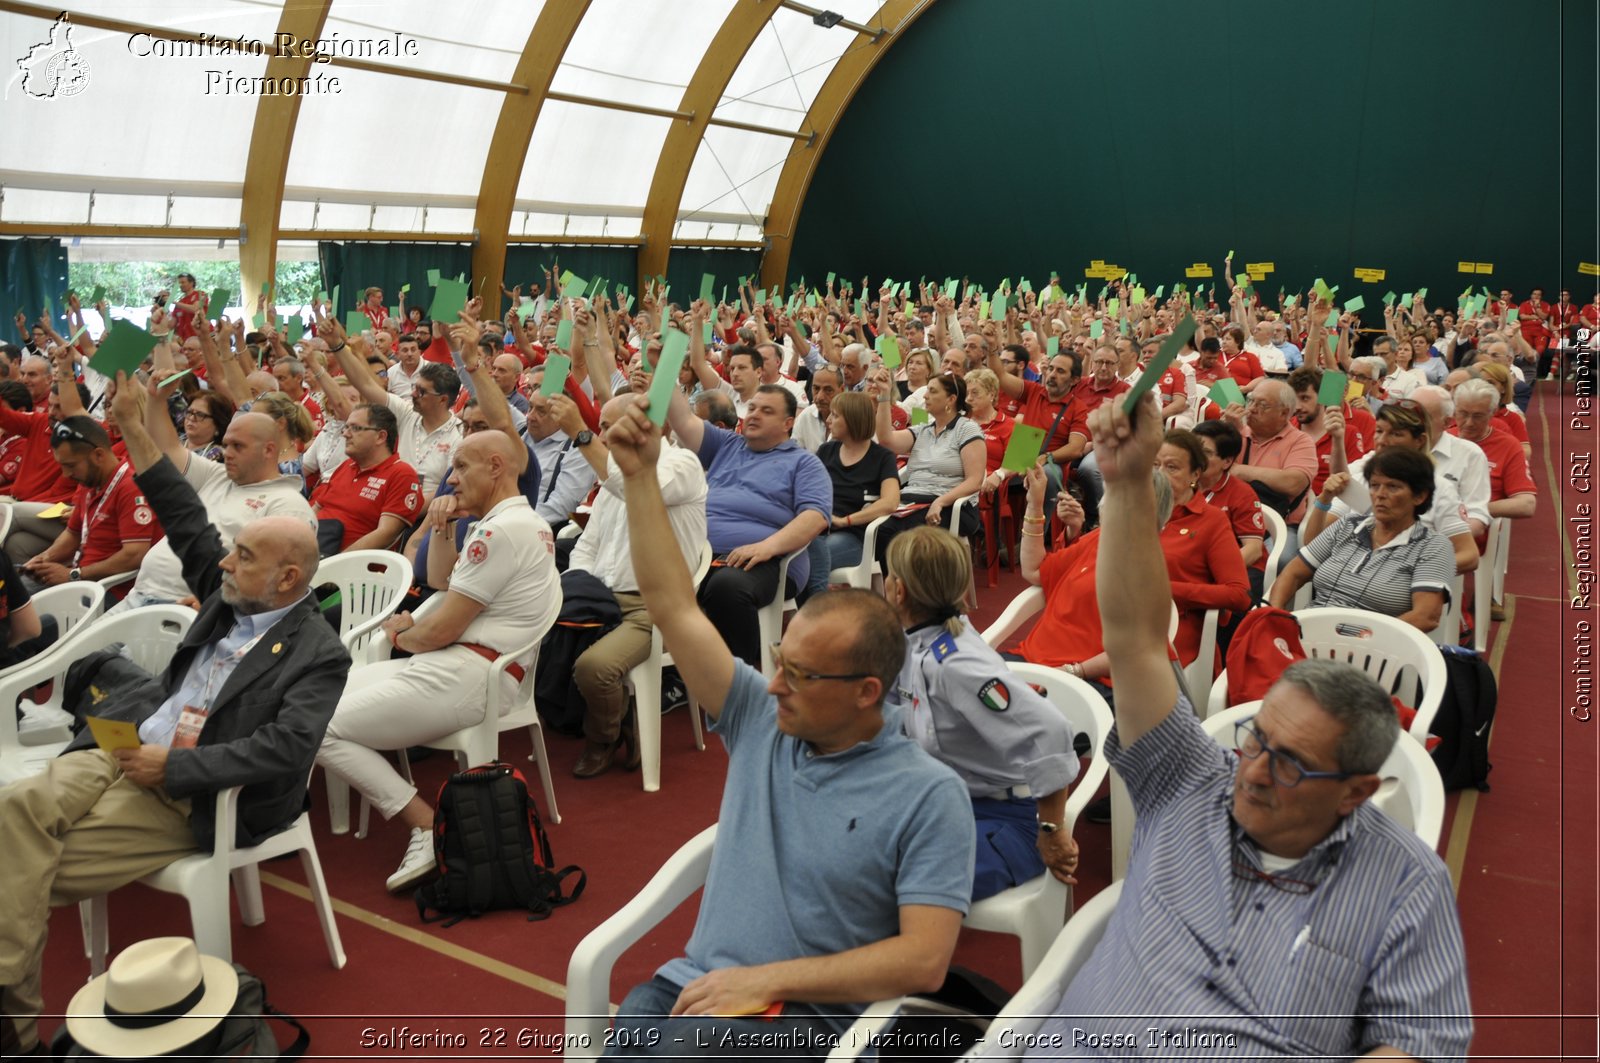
(526,263)
(688,265)
(354,267)
(33,276)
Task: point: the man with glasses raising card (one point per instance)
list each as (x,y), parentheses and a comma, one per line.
(822,895)
(1269,909)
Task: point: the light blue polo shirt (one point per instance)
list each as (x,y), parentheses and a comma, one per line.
(816,854)
(750,495)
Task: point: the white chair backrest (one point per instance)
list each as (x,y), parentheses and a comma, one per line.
(150,636)
(372,584)
(1022,607)
(1041,994)
(1088,714)
(1277,542)
(1412,793)
(70,603)
(1399,657)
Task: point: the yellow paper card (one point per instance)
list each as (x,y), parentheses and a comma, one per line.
(112,735)
(55,512)
(1353,390)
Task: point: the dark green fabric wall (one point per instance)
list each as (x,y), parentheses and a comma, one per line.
(33,274)
(1007,137)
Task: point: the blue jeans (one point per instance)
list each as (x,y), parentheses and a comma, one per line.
(644,1030)
(838,549)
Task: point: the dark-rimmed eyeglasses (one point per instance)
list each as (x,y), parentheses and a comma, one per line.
(1286,771)
(360,428)
(197,414)
(1248,872)
(797,679)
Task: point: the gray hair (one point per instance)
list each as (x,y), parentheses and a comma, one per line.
(1372,363)
(1478,389)
(860,350)
(1280,389)
(1358,703)
(1447,405)
(717,408)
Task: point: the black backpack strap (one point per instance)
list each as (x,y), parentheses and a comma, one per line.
(548,896)
(302,1039)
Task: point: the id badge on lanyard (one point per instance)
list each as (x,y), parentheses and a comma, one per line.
(93,520)
(192,720)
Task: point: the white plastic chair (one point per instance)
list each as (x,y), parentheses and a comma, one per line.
(644,679)
(1198,672)
(111,582)
(1034,911)
(71,604)
(1399,657)
(479,743)
(372,584)
(861,575)
(1277,542)
(589,969)
(1487,581)
(1502,557)
(1042,991)
(151,637)
(202,880)
(1412,793)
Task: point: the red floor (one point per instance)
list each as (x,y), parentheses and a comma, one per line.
(1526,891)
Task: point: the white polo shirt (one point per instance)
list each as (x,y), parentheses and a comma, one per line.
(425,451)
(508,565)
(230,506)
(809,430)
(399,381)
(603,548)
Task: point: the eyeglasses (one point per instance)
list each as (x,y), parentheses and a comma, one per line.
(1286,771)
(1406,404)
(1243,869)
(421,394)
(359,428)
(197,415)
(798,679)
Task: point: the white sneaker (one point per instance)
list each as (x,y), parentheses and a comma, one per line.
(418,863)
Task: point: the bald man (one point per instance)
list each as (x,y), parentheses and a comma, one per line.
(244,487)
(244,702)
(501,592)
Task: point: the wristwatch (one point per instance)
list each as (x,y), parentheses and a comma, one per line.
(1047,827)
(75,574)
(583,438)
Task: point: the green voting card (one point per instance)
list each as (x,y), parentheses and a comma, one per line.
(889,350)
(919,415)
(1023,450)
(404,288)
(576,288)
(1354,303)
(1512,315)
(259,320)
(433,278)
(708,286)
(997,308)
(293,329)
(1158,365)
(1097,328)
(449,299)
(1422,293)
(950,289)
(355,322)
(556,369)
(123,349)
(1052,346)
(564,334)
(1405,301)
(175,377)
(674,346)
(1322,290)
(1389,298)
(219,302)
(706,332)
(1333,388)
(1225,392)
(1333,320)
(99,294)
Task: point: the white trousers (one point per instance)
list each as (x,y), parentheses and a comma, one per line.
(398,704)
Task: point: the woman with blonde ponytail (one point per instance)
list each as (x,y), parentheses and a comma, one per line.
(962,703)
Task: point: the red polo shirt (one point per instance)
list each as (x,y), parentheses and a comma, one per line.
(1238,502)
(1512,423)
(1353,449)
(1243,367)
(104,518)
(11,451)
(1508,466)
(1091,397)
(361,498)
(1360,427)
(1205,568)
(183,313)
(996,437)
(1068,416)
(39,476)
(1068,630)
(1534,330)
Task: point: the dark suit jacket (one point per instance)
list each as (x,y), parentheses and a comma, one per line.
(267,722)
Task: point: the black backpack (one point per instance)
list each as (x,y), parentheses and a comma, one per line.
(244,1034)
(492,851)
(1464,720)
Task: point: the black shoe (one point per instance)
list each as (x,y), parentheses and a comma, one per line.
(1098,810)
(673,693)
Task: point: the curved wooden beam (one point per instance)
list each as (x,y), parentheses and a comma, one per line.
(267,164)
(837,92)
(513,130)
(739,31)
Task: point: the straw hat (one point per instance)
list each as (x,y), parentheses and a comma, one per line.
(157,996)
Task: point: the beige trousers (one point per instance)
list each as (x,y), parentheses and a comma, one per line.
(76,830)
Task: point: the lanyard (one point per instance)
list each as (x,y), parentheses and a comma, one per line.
(217,664)
(94,518)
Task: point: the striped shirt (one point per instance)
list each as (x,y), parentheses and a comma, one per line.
(1347,570)
(1197,962)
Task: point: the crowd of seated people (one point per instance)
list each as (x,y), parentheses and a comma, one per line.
(789,431)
